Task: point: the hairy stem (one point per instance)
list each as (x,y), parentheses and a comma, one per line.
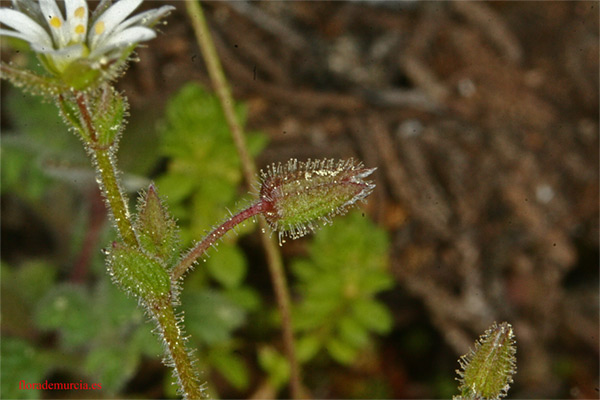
(179,357)
(115,197)
(217,75)
(210,239)
(106,168)
(117,203)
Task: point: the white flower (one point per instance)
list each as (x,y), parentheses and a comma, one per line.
(105,36)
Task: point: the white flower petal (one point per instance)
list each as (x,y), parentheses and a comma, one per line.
(70,52)
(61,58)
(147,18)
(30,30)
(77,18)
(125,38)
(30,8)
(56,22)
(110,19)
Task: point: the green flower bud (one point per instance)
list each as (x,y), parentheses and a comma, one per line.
(487,371)
(298,196)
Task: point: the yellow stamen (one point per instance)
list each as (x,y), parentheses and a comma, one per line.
(55,22)
(80,12)
(79,29)
(99,28)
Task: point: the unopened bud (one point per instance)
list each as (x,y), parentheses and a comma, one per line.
(298,196)
(488,369)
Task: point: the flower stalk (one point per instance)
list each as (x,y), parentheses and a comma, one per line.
(197,251)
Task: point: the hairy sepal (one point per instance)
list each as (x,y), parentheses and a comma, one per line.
(299,196)
(486,372)
(156,229)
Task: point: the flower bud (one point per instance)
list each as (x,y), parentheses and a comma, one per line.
(488,369)
(298,196)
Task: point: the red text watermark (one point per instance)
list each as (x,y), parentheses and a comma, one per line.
(59,385)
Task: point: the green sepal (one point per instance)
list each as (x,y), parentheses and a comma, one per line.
(157,230)
(488,369)
(81,75)
(70,113)
(138,274)
(109,108)
(31,82)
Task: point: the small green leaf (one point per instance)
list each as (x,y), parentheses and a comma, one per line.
(138,274)
(372,315)
(488,369)
(68,309)
(341,351)
(112,365)
(227,265)
(232,367)
(353,332)
(157,230)
(21,363)
(210,316)
(275,364)
(245,297)
(307,347)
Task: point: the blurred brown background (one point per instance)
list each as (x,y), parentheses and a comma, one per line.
(482,118)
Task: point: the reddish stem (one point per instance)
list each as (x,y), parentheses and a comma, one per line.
(210,239)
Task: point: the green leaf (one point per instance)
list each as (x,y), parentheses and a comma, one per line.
(112,365)
(138,274)
(372,315)
(341,351)
(232,367)
(211,317)
(275,364)
(244,297)
(227,265)
(307,347)
(203,170)
(21,362)
(346,268)
(69,309)
(352,332)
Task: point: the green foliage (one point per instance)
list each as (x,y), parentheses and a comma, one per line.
(338,284)
(21,359)
(201,182)
(203,172)
(486,372)
(103,328)
(30,152)
(20,362)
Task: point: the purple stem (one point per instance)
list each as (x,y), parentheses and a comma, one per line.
(191,257)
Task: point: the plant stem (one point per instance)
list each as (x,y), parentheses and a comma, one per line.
(180,359)
(117,203)
(210,239)
(109,183)
(217,75)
